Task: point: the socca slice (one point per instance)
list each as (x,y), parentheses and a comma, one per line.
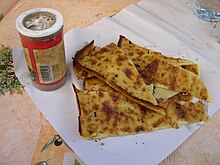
(158,93)
(184,111)
(159,70)
(179,108)
(109,113)
(112,66)
(175,78)
(79,71)
(136,53)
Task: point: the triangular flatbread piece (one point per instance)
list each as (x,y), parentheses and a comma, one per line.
(112,65)
(104,112)
(109,113)
(156,69)
(79,71)
(182,111)
(137,52)
(179,108)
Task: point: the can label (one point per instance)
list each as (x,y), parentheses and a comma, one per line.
(45,59)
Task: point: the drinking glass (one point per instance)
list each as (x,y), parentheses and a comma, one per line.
(208,10)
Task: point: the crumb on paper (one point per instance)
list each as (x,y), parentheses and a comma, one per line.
(102,144)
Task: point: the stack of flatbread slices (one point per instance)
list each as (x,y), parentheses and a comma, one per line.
(130,89)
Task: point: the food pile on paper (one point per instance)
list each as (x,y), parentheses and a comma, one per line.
(129,89)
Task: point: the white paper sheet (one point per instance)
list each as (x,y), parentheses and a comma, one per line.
(60,106)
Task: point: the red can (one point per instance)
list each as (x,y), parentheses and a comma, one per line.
(41,34)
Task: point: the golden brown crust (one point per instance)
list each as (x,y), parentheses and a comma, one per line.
(79,71)
(185,112)
(89,48)
(108,109)
(93,59)
(108,113)
(112,114)
(124,92)
(121,40)
(140,51)
(161,70)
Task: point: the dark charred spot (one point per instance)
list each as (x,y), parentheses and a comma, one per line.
(204,98)
(90,131)
(107,109)
(153,66)
(140,53)
(121,114)
(120,59)
(180,110)
(101,94)
(130,42)
(114,124)
(139,128)
(96,106)
(144,90)
(104,50)
(162,75)
(105,128)
(93,62)
(106,60)
(126,129)
(157,123)
(115,97)
(116,75)
(135,87)
(128,73)
(143,108)
(149,71)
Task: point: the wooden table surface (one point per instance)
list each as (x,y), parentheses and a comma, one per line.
(21,121)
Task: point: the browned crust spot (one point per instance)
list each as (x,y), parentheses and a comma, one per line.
(88,48)
(121,38)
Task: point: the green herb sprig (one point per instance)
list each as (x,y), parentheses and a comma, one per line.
(8,80)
